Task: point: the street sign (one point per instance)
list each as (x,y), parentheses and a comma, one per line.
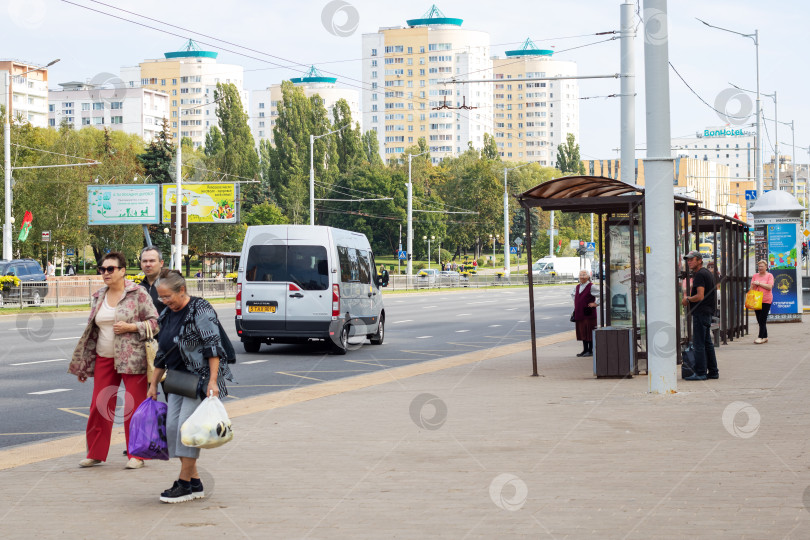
(806,232)
(402,255)
(513,250)
(70,252)
(573,244)
(555,232)
(590,246)
(750,194)
(518,241)
(46,236)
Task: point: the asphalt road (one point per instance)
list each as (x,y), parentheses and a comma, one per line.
(40,401)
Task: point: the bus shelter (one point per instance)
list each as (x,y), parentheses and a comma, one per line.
(219,262)
(620,248)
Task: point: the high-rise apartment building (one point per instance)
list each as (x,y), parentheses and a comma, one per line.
(190,77)
(403,96)
(28,89)
(132,110)
(533,117)
(264,103)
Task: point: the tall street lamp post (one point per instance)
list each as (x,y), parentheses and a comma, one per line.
(7,223)
(507,262)
(409,246)
(755,38)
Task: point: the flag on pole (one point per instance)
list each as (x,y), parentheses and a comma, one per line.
(26,226)
(559,245)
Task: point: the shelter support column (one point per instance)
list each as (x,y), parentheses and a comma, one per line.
(659,204)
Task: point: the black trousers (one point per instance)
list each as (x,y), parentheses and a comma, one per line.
(762,318)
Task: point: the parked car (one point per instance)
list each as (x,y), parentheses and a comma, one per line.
(427,277)
(451,278)
(301,282)
(33,282)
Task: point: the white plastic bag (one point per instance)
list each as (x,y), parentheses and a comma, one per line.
(208,427)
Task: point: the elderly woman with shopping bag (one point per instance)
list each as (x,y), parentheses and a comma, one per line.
(194,352)
(762,289)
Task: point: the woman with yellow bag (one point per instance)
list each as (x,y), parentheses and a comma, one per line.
(762,282)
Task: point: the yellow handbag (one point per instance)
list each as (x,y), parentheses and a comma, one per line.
(753,300)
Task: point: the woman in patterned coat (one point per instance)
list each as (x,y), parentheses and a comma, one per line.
(111,350)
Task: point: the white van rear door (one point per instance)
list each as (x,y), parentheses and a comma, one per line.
(309,294)
(264,290)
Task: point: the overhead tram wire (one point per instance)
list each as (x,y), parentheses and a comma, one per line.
(368,86)
(701,99)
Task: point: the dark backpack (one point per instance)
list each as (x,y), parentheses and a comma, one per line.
(688,362)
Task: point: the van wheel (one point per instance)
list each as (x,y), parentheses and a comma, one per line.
(341,346)
(378,338)
(252,346)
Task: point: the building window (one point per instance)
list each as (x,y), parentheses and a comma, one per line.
(117,120)
(85,121)
(98,106)
(373,52)
(117,105)
(261,106)
(85,106)
(52,122)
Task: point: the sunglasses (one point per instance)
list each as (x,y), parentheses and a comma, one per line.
(108,269)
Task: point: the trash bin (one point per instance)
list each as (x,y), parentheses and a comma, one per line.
(613,352)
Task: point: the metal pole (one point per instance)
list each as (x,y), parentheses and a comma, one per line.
(409,240)
(551,236)
(311,179)
(628,99)
(506,262)
(178,206)
(775,143)
(531,290)
(759,122)
(793,159)
(659,205)
(591,226)
(7,255)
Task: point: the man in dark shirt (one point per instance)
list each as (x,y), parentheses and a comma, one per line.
(151,265)
(702,302)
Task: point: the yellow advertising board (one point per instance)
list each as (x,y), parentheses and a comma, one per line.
(204,203)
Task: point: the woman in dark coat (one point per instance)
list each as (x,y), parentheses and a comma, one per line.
(586,298)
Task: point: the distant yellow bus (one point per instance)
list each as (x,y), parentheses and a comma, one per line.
(706,249)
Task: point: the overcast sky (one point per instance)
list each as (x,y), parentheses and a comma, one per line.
(90,43)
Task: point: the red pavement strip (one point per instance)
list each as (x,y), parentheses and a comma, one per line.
(37,452)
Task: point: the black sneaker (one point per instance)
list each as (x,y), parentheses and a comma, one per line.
(197,491)
(713,376)
(177,493)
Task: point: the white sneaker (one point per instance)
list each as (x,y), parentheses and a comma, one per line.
(134,463)
(87,462)
(758,341)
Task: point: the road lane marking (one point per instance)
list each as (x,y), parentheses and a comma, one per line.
(406,320)
(63,338)
(77,413)
(252,362)
(429,307)
(55,390)
(43,362)
(511,309)
(461,331)
(494,325)
(482,302)
(300,376)
(463,315)
(423,337)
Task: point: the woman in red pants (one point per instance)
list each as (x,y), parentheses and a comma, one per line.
(112,349)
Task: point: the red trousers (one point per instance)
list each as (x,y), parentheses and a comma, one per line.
(102,409)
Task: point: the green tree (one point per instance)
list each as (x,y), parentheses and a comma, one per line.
(490,149)
(264,214)
(238,149)
(348,141)
(371,148)
(568,160)
(158,159)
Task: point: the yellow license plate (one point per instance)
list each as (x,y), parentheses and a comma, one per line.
(261,309)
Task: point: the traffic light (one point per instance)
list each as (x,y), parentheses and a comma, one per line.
(582,250)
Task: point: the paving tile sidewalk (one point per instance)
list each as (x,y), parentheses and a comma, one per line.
(479,450)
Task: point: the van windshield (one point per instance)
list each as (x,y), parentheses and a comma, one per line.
(306,266)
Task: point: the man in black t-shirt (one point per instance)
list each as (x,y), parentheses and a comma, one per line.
(702,302)
(151,265)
